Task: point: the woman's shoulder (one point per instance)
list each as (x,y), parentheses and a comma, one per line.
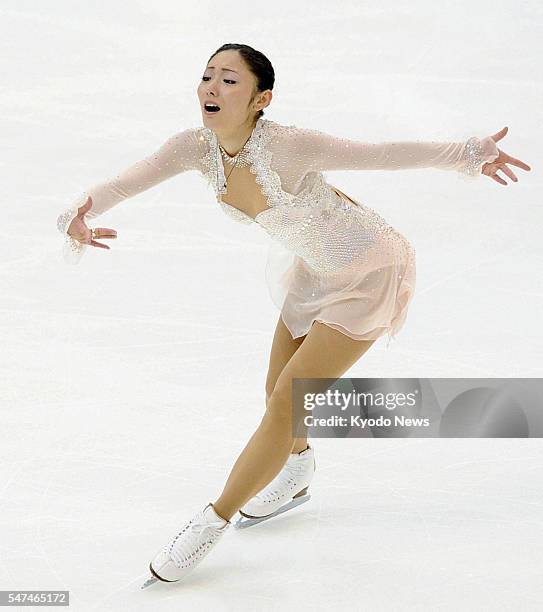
(278,126)
(197,139)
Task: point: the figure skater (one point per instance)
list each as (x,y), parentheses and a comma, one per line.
(347,279)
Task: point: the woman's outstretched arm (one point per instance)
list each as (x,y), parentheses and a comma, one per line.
(323,151)
(177,154)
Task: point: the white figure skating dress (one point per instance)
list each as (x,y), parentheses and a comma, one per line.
(332,258)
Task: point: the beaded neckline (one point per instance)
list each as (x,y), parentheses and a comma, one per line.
(214,160)
(240,159)
(259,162)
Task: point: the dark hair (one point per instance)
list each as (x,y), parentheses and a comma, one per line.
(257,63)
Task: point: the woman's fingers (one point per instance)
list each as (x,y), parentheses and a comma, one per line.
(99,244)
(498,179)
(85,235)
(509,172)
(102,232)
(516,162)
(499,135)
(500,164)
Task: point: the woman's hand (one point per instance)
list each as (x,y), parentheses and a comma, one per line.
(500,162)
(80,232)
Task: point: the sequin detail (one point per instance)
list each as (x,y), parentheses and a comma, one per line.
(72,249)
(477,152)
(473,156)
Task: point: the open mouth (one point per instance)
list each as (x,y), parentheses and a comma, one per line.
(211,108)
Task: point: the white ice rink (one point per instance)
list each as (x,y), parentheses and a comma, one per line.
(131,382)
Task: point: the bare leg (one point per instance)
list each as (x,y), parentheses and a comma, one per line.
(300,444)
(324,353)
(283,348)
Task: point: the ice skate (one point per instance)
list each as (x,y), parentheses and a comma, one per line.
(286,491)
(188,548)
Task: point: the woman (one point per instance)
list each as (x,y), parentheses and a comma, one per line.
(343,277)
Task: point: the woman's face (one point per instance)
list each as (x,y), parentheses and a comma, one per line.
(231,85)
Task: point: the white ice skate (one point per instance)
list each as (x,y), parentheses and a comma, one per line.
(286,491)
(188,548)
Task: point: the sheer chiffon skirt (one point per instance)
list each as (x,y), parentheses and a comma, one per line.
(364,300)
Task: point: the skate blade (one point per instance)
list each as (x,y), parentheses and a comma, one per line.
(243,522)
(149,582)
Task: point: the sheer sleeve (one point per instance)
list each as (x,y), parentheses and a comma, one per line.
(321,151)
(177,154)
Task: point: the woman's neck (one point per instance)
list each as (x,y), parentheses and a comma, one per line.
(233,142)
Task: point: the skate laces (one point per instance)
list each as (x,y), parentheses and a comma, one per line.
(192,539)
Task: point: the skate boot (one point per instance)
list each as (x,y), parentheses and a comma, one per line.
(286,491)
(188,548)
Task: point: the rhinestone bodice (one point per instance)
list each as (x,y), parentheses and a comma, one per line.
(315,223)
